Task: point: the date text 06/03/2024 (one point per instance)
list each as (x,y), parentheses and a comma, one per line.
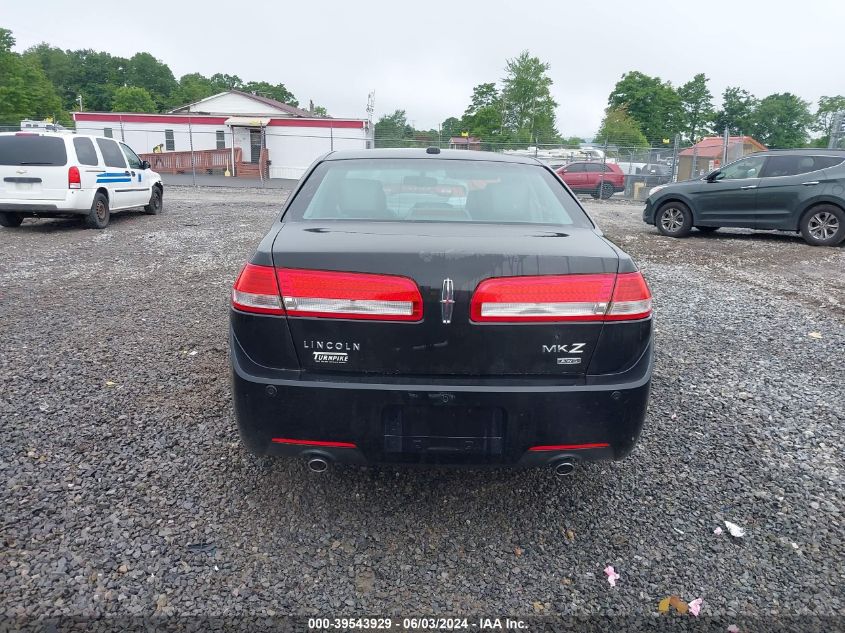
(413,624)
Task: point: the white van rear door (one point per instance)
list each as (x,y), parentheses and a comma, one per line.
(33,167)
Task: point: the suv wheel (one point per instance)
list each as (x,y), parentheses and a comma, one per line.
(98,217)
(10,220)
(674,219)
(823,225)
(155,205)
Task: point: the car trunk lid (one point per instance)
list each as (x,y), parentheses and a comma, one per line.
(447,262)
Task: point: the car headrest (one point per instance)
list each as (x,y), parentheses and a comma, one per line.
(362,198)
(499,202)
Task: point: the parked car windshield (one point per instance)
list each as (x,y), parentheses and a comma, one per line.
(435,190)
(30,149)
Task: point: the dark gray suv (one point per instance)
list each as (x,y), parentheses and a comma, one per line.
(789,190)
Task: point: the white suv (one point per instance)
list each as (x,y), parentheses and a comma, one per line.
(56,175)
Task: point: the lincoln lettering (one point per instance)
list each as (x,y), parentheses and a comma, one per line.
(339,346)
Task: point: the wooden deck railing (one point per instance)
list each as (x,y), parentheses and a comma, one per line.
(204,160)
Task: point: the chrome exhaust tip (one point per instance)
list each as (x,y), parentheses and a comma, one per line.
(562,469)
(317,465)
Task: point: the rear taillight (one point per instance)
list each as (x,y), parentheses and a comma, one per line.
(256,291)
(343,295)
(73,179)
(598,297)
(631,298)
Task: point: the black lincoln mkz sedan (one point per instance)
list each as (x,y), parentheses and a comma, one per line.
(418,306)
(789,190)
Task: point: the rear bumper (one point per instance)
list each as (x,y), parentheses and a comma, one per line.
(76,202)
(597,418)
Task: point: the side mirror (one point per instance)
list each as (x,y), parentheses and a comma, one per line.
(145,164)
(713,176)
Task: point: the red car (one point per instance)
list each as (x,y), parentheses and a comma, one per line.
(597,179)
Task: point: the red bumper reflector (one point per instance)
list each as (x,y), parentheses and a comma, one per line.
(285,440)
(569,447)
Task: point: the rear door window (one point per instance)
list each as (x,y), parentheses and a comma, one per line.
(823,162)
(85,152)
(112,155)
(796,164)
(26,149)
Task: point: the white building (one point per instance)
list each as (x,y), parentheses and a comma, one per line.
(289,138)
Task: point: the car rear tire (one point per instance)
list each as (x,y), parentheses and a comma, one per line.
(98,217)
(707,229)
(823,225)
(156,204)
(674,219)
(10,220)
(604,191)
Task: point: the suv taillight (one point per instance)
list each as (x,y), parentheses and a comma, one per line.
(598,297)
(73,179)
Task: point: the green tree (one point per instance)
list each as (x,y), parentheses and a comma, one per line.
(277,92)
(697,104)
(737,111)
(96,76)
(449,128)
(782,120)
(57,66)
(393,130)
(132,99)
(827,108)
(25,90)
(483,116)
(529,109)
(572,141)
(621,129)
(652,103)
(145,71)
(483,96)
(7,40)
(193,87)
(223,82)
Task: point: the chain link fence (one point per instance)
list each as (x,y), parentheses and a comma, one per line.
(626,168)
(197,154)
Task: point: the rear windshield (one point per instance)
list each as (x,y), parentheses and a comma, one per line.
(32,150)
(435,190)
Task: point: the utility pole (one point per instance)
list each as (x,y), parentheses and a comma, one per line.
(837,131)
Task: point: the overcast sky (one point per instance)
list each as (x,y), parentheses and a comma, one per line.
(425,57)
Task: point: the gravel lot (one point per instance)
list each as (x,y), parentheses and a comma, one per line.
(127,490)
